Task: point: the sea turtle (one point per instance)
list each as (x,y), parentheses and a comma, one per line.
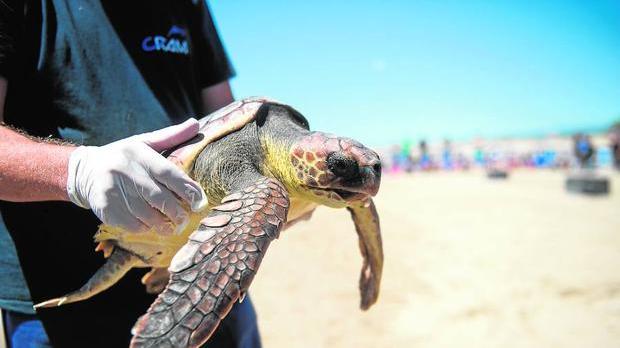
(260,167)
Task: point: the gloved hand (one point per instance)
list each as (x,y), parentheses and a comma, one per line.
(130,185)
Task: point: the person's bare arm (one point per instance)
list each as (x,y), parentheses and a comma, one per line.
(126,183)
(216,96)
(30,169)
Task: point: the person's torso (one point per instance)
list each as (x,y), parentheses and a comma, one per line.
(91,73)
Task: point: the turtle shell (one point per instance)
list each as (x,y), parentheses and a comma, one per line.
(221,123)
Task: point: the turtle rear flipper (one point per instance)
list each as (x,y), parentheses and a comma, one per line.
(215,268)
(116,266)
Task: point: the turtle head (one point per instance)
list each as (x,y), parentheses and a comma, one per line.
(335,171)
(324,168)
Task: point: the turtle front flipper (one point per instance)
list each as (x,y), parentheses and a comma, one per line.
(366,221)
(215,268)
(115,267)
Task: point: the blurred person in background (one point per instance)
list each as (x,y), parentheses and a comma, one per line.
(425,158)
(448,161)
(584,150)
(395,166)
(614,138)
(97,73)
(406,156)
(479,157)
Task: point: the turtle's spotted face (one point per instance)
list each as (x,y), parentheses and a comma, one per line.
(335,170)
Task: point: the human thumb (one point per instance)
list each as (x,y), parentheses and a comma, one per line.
(169,137)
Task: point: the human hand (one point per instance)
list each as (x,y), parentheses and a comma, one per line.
(128,184)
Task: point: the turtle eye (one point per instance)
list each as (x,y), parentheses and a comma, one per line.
(342,166)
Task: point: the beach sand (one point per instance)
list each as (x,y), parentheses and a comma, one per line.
(469,262)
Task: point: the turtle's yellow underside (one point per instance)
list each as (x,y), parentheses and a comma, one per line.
(157,250)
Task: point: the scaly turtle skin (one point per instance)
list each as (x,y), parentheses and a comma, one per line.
(260,167)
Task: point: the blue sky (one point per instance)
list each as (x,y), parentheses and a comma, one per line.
(385,71)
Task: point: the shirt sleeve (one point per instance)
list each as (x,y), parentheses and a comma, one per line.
(10,15)
(213,65)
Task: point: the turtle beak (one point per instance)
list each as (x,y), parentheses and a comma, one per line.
(370,173)
(357,168)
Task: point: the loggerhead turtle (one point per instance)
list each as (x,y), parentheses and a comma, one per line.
(260,167)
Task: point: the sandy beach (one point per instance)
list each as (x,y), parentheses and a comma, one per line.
(469,262)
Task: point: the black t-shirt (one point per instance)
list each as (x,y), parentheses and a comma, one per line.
(93,72)
(97,71)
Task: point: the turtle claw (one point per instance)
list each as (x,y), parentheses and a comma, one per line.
(242,296)
(156,280)
(55,302)
(106,246)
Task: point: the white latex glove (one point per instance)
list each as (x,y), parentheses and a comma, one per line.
(130,185)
